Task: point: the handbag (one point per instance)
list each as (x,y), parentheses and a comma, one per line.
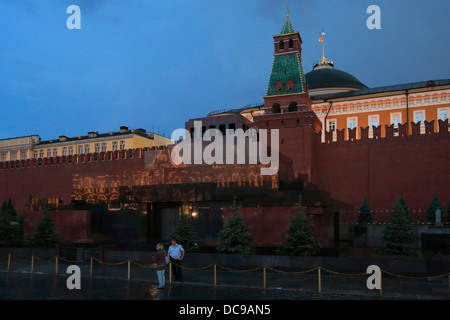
(167,258)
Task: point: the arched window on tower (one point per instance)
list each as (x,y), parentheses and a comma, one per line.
(276,108)
(290,85)
(291,43)
(279,86)
(293,106)
(281,45)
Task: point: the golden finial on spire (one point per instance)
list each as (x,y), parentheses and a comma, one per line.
(288,11)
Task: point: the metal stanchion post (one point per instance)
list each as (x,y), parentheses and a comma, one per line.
(56,265)
(320,280)
(170,272)
(215,275)
(32,262)
(9,262)
(381,283)
(264,272)
(90,271)
(129,266)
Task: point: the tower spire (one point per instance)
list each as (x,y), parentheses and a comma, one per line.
(287,26)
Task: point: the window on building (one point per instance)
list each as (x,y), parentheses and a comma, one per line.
(41,154)
(419,116)
(97,148)
(352,123)
(80,149)
(122,144)
(14,155)
(4,156)
(443,114)
(281,44)
(291,43)
(55,152)
(104,147)
(373,121)
(331,125)
(114,146)
(24,155)
(395,119)
(64,151)
(86,149)
(35,154)
(279,86)
(70,151)
(49,153)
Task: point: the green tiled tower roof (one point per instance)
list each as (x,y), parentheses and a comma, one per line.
(286,67)
(287,27)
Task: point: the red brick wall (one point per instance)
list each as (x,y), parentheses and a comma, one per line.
(53,177)
(383,169)
(265,223)
(72,226)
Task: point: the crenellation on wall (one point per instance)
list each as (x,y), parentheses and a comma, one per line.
(129,154)
(392,134)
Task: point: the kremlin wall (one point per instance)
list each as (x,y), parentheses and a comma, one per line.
(137,195)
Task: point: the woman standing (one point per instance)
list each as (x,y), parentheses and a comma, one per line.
(160,259)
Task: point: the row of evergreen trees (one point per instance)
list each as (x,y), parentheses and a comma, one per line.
(235,238)
(299,238)
(12,227)
(365,212)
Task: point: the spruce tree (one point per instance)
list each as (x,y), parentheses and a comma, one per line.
(434,205)
(186,235)
(235,238)
(299,237)
(397,234)
(402,204)
(11,228)
(365,213)
(45,234)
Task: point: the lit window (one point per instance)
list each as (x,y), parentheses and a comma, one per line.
(352,123)
(419,116)
(395,117)
(114,146)
(373,121)
(443,114)
(122,144)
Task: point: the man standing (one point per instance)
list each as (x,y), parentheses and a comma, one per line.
(176,254)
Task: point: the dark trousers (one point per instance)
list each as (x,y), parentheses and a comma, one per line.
(177,273)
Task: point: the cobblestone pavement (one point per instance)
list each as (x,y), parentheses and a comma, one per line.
(110,282)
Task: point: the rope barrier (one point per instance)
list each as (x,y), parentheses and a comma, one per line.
(292,272)
(214,266)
